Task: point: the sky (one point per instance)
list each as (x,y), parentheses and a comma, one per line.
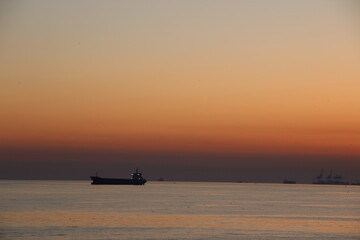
(185,90)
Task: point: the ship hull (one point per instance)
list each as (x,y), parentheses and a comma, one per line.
(116,181)
(289,182)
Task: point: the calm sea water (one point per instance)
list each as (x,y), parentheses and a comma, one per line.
(167,210)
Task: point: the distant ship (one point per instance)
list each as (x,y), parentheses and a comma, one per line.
(330,179)
(136,179)
(289,181)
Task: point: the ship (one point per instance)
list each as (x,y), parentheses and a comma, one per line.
(136,179)
(330,179)
(289,181)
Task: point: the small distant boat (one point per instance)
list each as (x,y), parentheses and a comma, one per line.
(289,181)
(136,179)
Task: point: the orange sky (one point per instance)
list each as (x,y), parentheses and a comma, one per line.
(203,76)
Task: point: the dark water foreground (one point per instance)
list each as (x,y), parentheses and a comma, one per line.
(166,210)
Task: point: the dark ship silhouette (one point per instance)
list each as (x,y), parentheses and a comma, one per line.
(289,181)
(136,179)
(330,179)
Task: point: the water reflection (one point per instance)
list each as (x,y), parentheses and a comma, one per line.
(77,210)
(346,224)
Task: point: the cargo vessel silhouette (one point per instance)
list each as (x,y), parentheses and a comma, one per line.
(136,179)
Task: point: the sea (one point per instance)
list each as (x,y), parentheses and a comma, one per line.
(177,210)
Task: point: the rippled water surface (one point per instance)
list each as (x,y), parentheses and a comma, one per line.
(167,210)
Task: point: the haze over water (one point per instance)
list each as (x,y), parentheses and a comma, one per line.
(177,210)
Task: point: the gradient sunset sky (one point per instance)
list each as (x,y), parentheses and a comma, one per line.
(189,90)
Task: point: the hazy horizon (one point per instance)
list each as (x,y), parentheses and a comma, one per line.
(79,165)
